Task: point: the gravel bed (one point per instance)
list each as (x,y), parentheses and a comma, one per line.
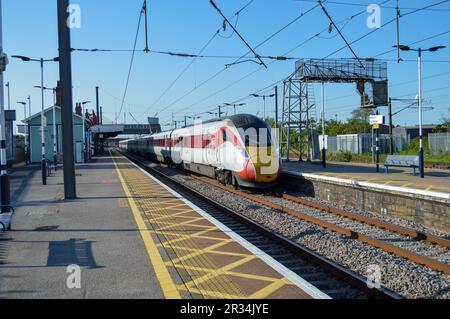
(427,249)
(402,276)
(383,217)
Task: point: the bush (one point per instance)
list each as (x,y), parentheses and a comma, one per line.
(344,157)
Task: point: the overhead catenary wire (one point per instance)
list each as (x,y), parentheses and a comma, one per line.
(386,24)
(288,52)
(406,14)
(367,4)
(340,33)
(195,58)
(238,34)
(131,64)
(297,18)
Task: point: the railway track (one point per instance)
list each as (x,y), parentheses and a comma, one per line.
(328,276)
(343,226)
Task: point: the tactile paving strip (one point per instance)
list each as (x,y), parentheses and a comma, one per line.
(210,263)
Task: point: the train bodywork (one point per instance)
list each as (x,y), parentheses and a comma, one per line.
(239,150)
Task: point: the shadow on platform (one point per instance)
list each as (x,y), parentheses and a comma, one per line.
(74,251)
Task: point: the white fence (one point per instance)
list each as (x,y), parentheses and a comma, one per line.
(361,143)
(439,143)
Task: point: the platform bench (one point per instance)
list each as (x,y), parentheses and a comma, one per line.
(402,161)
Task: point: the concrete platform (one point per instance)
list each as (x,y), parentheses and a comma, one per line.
(195,255)
(130,237)
(435,184)
(94,232)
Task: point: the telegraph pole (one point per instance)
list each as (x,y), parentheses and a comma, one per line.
(4,178)
(391,135)
(98,105)
(65,74)
(276,106)
(324,149)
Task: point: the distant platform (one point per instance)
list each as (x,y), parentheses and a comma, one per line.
(436,183)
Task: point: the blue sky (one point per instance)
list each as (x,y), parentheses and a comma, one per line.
(29,28)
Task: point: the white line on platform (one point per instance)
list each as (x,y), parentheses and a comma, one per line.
(282,270)
(410,191)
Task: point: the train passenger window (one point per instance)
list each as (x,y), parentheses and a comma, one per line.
(224,135)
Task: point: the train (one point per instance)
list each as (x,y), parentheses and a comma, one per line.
(240,150)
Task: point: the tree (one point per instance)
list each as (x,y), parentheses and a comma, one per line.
(333,127)
(359,121)
(445,126)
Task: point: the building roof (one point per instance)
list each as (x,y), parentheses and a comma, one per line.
(38,114)
(425,126)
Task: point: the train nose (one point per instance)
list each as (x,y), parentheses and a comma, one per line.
(266,164)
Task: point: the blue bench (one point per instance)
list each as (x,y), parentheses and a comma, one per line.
(402,161)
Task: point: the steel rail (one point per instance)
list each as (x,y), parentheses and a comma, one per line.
(350,277)
(371,221)
(401,252)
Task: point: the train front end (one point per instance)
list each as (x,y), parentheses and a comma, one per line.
(263,166)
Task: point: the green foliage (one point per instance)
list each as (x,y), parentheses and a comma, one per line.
(344,157)
(356,124)
(270,121)
(334,127)
(445,126)
(413,147)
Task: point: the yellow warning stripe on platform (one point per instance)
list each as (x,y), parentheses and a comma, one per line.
(168,286)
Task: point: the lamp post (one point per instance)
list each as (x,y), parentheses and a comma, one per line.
(220,111)
(5,194)
(29,105)
(84,130)
(26,137)
(55,142)
(9,96)
(420,50)
(324,149)
(235,105)
(191,118)
(41,62)
(264,97)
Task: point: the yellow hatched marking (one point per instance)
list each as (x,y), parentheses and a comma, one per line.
(163,215)
(238,274)
(200,252)
(212,294)
(165,280)
(180,237)
(215,252)
(223,270)
(267,291)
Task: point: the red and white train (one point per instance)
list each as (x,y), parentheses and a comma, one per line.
(238,150)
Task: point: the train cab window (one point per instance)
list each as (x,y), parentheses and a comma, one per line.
(224,135)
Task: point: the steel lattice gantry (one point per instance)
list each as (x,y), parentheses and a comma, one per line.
(299,112)
(299,117)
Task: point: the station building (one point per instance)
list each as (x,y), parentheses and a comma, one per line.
(33,125)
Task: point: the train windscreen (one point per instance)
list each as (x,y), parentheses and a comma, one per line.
(254,131)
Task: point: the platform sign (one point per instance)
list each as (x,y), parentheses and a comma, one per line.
(376,119)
